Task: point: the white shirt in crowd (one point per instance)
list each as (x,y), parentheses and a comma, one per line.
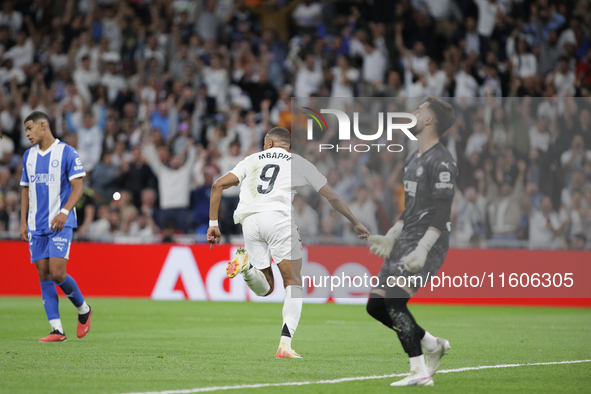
(472,43)
(339,88)
(58,61)
(419,65)
(366,211)
(539,140)
(567,37)
(307,15)
(500,226)
(84,80)
(307,221)
(470,214)
(6,75)
(564,84)
(14,20)
(92,52)
(417,90)
(525,65)
(6,148)
(136,231)
(112,31)
(356,47)
(21,55)
(567,156)
(307,82)
(269,181)
(578,223)
(174,186)
(217,82)
(113,83)
(438,9)
(90,146)
(436,83)
(374,66)
(541,237)
(475,143)
(246,134)
(466,85)
(487,12)
(7,120)
(226,164)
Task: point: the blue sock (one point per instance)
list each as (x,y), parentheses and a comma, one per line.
(50,300)
(71,290)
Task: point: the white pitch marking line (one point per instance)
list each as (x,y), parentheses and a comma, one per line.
(341,380)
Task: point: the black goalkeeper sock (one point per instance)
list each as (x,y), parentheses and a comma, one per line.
(376,308)
(409,332)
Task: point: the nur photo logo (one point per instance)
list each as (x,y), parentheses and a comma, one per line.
(390,119)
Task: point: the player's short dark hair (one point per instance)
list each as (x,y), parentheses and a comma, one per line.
(444,113)
(37,116)
(281,134)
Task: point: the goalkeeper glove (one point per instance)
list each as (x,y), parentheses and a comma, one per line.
(415,260)
(383,244)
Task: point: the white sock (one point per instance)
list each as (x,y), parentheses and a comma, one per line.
(257,281)
(82,309)
(56,324)
(418,364)
(429,343)
(292,311)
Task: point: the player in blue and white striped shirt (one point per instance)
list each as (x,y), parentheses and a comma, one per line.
(52,185)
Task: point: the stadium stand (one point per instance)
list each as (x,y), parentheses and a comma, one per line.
(160,90)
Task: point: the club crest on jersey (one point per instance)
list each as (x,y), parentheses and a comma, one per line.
(420,171)
(55,163)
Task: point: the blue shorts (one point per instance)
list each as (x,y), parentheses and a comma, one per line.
(43,245)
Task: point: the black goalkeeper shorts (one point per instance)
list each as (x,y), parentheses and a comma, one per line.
(394,268)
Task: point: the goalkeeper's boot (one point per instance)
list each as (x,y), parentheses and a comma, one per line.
(239,264)
(432,359)
(415,378)
(54,336)
(285,351)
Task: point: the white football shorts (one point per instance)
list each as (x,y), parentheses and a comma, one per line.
(271,235)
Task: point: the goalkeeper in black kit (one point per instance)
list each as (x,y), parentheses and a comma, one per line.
(416,246)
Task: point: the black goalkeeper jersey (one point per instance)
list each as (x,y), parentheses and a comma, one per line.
(427,177)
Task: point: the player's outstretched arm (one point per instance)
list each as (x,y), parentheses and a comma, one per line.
(58,222)
(24,212)
(225,182)
(340,206)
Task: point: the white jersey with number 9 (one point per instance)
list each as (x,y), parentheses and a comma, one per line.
(269,180)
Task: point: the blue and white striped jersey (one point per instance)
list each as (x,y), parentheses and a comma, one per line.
(48,175)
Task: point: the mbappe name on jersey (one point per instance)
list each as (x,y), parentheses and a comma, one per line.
(275,155)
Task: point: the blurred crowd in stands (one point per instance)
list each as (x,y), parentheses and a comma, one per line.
(161,97)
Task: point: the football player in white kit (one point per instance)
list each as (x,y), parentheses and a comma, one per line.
(268,182)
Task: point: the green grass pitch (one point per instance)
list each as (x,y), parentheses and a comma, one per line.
(143,345)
